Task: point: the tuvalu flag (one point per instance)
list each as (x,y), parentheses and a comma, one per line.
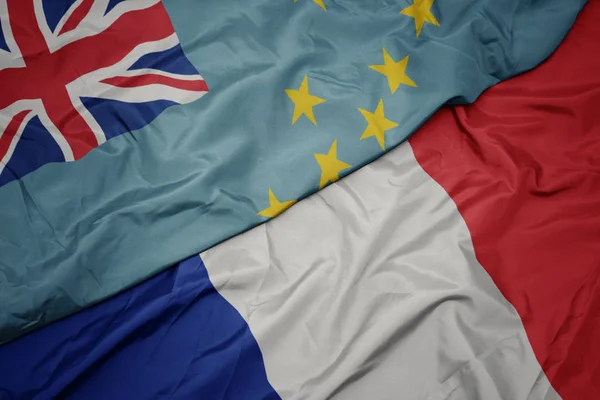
(117,164)
(461,265)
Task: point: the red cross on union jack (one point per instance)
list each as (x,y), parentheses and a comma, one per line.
(89,53)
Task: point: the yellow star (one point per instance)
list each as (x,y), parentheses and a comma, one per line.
(319,2)
(303,102)
(394,71)
(421,12)
(330,166)
(377,124)
(276,207)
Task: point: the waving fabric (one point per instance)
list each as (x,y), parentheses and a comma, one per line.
(461,265)
(117,164)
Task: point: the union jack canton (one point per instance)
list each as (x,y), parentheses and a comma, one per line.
(74,73)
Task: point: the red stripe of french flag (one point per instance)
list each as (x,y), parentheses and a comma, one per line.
(526,179)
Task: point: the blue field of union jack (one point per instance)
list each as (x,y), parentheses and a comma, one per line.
(76,73)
